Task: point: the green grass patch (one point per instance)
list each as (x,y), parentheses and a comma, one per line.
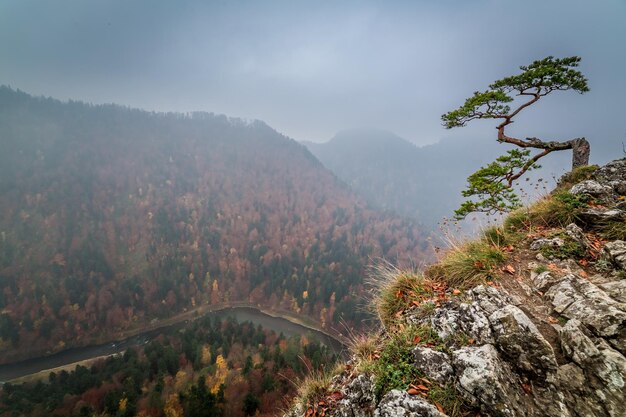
(468,264)
(449,399)
(395,290)
(394,369)
(570,249)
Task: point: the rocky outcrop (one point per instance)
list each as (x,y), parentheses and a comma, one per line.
(551,342)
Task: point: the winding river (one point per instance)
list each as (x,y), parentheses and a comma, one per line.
(278,324)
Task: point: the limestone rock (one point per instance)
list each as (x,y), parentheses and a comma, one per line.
(591,187)
(613,174)
(596,215)
(616,252)
(576,298)
(435,365)
(398,403)
(544,280)
(597,360)
(541,243)
(488,298)
(616,290)
(522,343)
(359,399)
(486,381)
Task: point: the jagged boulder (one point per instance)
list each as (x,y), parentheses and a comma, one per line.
(616,253)
(522,343)
(400,404)
(542,243)
(603,368)
(577,298)
(358,398)
(613,175)
(435,365)
(488,382)
(544,280)
(592,188)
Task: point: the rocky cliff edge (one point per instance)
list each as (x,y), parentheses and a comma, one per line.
(528,320)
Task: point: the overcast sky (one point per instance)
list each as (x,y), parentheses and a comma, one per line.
(310,69)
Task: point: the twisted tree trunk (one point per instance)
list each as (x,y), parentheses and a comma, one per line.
(580,152)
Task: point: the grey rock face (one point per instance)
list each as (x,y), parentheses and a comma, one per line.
(616,252)
(576,298)
(435,365)
(576,233)
(522,343)
(544,280)
(614,175)
(616,290)
(488,298)
(487,381)
(594,215)
(591,187)
(400,404)
(538,244)
(358,400)
(603,371)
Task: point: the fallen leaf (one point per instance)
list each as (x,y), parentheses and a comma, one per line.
(456,291)
(337,395)
(399,294)
(399,314)
(440,408)
(527,388)
(412,391)
(509,269)
(422,387)
(417,339)
(415,303)
(478,265)
(471,341)
(552,320)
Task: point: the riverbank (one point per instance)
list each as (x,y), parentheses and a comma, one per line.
(280,322)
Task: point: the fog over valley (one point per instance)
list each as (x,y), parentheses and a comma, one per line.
(307,209)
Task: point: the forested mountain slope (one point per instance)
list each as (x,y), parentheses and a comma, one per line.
(112,217)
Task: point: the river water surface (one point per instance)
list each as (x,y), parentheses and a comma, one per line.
(279,325)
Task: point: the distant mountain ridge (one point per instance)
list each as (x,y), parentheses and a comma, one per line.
(425,182)
(112,217)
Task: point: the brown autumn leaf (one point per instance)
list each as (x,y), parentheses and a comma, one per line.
(336,395)
(422,387)
(399,314)
(415,303)
(527,389)
(509,248)
(456,291)
(412,391)
(508,268)
(399,294)
(417,339)
(479,265)
(440,408)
